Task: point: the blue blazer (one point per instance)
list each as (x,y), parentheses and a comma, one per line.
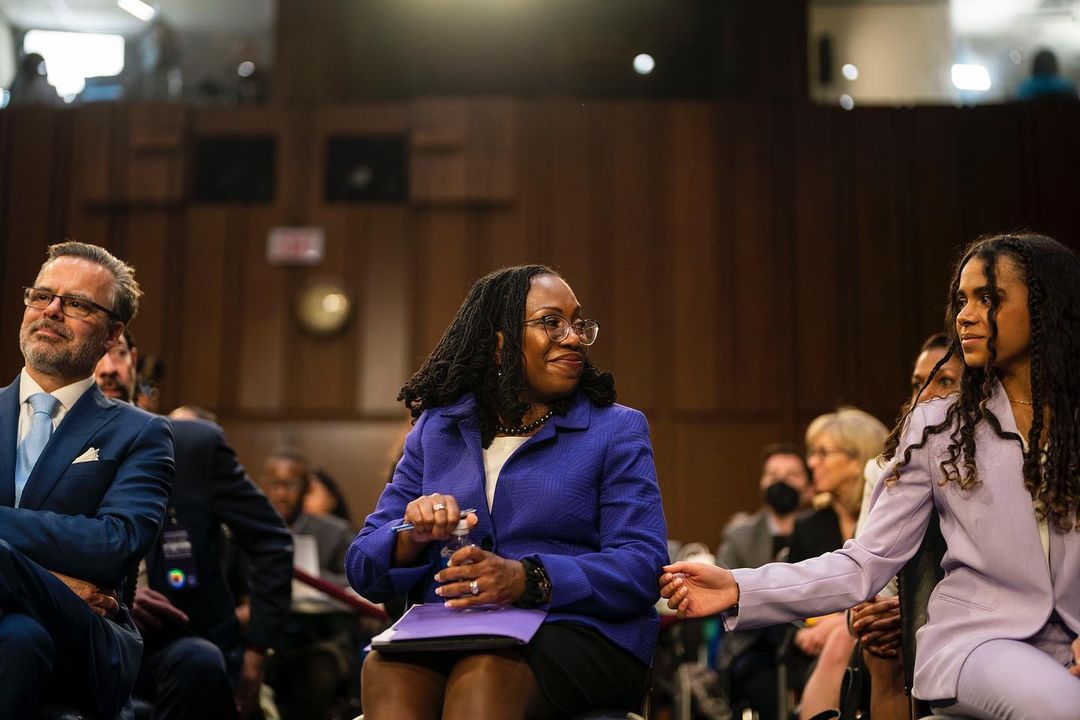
(91,520)
(580,497)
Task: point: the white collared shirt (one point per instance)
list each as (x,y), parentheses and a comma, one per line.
(67,395)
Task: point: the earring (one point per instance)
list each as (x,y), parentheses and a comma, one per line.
(498,371)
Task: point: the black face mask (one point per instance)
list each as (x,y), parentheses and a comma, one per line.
(782,498)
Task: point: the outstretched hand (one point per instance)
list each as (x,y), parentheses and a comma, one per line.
(697,590)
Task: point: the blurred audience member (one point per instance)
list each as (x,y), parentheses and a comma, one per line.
(197,662)
(319,649)
(748,657)
(877,622)
(324,496)
(194,412)
(1045,83)
(151,371)
(31,83)
(838,446)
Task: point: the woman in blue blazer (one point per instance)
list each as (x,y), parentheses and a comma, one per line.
(515,421)
(1000,462)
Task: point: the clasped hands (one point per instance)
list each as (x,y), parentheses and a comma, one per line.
(102,603)
(474,576)
(876,623)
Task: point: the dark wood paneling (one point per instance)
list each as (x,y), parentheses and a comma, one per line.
(261,321)
(698,324)
(752,264)
(204,320)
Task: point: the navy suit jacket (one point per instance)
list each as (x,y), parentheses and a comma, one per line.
(580,497)
(91,520)
(211,488)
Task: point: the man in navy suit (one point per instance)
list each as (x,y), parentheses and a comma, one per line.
(84,482)
(195,648)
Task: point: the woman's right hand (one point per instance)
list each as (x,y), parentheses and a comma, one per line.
(434,517)
(698,590)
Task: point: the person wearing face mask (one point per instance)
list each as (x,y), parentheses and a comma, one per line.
(748,658)
(998,461)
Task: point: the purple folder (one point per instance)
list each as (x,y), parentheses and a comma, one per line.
(433,626)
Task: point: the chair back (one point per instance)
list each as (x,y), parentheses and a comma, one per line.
(916,581)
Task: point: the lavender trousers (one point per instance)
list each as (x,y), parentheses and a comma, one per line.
(1020,679)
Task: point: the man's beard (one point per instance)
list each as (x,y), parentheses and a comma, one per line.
(112,383)
(59,360)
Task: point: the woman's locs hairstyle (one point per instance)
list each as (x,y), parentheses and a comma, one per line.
(468,358)
(1052,472)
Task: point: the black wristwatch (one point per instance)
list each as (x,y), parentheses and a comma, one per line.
(537,585)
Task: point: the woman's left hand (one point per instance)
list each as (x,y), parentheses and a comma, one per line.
(478,577)
(1075,669)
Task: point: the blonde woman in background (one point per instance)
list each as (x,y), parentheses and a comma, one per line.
(838,446)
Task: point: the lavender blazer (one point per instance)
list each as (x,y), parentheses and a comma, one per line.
(997,582)
(580,497)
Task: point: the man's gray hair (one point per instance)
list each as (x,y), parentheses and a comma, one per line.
(126,291)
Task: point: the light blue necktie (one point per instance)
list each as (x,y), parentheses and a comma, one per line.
(45,406)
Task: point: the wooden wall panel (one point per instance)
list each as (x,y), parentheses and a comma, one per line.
(145,245)
(355,454)
(879,264)
(321,375)
(752,264)
(750,294)
(385,314)
(570,193)
(820,219)
(203,324)
(446,260)
(697,320)
(633,316)
(712,486)
(261,321)
(937,214)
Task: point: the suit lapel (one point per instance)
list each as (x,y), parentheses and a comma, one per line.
(68,441)
(9,433)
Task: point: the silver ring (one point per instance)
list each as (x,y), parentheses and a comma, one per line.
(437,507)
(474,587)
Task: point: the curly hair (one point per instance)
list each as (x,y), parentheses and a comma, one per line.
(464,360)
(1051,474)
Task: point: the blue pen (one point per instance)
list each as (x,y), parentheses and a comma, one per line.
(409,526)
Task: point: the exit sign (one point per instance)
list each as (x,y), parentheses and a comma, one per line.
(296,246)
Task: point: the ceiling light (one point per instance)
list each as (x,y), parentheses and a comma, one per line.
(644,64)
(970,77)
(850,72)
(847,102)
(138,8)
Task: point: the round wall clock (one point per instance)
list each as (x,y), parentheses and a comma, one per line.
(323,308)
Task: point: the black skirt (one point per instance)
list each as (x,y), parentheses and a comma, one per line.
(576,668)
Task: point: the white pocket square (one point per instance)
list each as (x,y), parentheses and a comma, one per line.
(91,455)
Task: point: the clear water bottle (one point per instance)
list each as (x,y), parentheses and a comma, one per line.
(459,540)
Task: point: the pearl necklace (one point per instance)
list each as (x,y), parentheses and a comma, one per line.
(525,429)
